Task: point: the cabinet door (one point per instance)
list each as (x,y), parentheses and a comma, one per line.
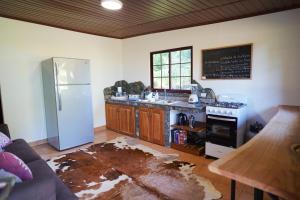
(157,123)
(144,122)
(112,116)
(127,120)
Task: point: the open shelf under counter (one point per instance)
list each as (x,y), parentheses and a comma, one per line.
(199,127)
(188,148)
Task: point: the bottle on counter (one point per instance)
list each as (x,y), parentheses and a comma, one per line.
(156,97)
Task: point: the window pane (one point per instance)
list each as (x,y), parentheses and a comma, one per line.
(175,83)
(175,70)
(165,58)
(175,57)
(165,71)
(156,59)
(157,71)
(157,83)
(186,69)
(185,56)
(165,83)
(185,83)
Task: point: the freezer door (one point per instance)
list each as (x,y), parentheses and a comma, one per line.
(75,116)
(71,71)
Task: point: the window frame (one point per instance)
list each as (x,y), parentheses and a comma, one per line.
(169,51)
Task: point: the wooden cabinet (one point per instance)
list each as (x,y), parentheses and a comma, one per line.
(145,124)
(112,116)
(127,120)
(157,122)
(120,118)
(151,121)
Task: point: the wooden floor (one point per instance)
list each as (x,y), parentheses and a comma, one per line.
(222,184)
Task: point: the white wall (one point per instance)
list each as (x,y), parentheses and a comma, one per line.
(22,48)
(276,57)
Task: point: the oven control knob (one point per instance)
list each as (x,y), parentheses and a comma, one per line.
(230,112)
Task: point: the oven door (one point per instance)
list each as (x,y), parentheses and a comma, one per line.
(221,130)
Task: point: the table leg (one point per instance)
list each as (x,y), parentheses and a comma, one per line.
(258,194)
(233,183)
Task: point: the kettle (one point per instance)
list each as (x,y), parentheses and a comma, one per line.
(182,119)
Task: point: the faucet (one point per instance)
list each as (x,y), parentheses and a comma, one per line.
(165,91)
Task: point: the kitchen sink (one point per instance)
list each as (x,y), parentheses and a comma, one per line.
(162,102)
(121,98)
(167,102)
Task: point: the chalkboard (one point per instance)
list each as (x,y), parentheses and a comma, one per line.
(227,63)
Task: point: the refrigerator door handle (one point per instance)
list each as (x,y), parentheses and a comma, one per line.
(56,69)
(57,89)
(59,99)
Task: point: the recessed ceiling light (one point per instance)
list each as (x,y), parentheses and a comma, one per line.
(111,4)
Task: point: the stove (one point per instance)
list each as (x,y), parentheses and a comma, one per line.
(226,125)
(232,105)
(228,109)
(235,105)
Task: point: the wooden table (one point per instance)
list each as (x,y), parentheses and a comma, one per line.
(269,162)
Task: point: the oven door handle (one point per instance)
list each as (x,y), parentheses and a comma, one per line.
(222,118)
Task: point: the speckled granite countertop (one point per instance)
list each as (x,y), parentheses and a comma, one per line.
(179,105)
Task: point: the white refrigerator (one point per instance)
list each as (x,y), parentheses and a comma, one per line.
(68,102)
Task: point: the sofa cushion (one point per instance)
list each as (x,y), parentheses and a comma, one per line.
(4,140)
(4,129)
(37,189)
(11,163)
(40,169)
(22,149)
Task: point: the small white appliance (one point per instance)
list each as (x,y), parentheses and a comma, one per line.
(193,98)
(119,92)
(226,125)
(68,102)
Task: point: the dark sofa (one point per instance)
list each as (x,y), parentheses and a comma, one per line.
(45,184)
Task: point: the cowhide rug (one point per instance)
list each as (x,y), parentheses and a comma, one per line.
(123,169)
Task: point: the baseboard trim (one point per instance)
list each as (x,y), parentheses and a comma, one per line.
(100,128)
(43,141)
(38,142)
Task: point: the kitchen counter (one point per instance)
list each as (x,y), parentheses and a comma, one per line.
(177,105)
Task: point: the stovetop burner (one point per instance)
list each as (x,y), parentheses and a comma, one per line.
(233,105)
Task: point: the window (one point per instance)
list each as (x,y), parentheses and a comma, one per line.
(172,69)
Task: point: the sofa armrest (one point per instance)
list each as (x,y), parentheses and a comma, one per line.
(38,189)
(4,129)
